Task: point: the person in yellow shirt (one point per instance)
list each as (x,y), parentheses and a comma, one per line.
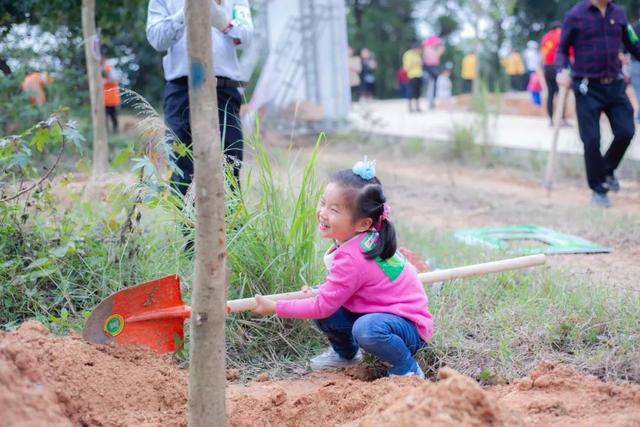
(34,85)
(514,67)
(412,64)
(468,71)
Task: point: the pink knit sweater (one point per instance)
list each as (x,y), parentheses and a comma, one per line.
(366,286)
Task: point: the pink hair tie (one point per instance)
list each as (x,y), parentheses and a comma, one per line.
(386,210)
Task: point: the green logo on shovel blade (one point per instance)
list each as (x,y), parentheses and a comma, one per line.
(114,324)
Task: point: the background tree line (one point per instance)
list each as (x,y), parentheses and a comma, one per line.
(386,27)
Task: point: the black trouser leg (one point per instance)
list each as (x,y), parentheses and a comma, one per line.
(620,114)
(552,88)
(112,114)
(589,107)
(514,82)
(176,111)
(176,117)
(229,101)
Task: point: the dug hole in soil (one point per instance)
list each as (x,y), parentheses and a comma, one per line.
(47,380)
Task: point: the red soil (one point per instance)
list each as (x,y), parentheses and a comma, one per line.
(47,380)
(63,381)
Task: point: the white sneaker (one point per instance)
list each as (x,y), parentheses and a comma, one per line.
(418,374)
(331,360)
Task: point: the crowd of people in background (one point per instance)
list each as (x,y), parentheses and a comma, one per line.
(594,51)
(422,74)
(534,70)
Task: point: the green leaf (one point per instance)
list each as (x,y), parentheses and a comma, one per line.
(72,135)
(181,149)
(485,374)
(55,134)
(40,138)
(40,273)
(62,251)
(145,164)
(40,262)
(122,157)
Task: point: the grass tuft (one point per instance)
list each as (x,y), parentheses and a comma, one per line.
(506,323)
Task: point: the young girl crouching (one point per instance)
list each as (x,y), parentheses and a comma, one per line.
(372,298)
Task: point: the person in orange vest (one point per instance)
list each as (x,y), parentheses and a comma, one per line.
(111,91)
(34,85)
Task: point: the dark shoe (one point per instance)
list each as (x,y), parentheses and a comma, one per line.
(600,199)
(613,184)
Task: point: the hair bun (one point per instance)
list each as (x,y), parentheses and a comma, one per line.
(365,169)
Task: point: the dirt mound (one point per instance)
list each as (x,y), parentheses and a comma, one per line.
(552,395)
(64,381)
(455,401)
(556,395)
(24,399)
(59,381)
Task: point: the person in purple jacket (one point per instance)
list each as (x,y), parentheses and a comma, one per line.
(597,29)
(372,298)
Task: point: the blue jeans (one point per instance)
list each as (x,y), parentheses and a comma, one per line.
(393,339)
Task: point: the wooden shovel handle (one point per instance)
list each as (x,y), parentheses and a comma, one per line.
(246,304)
(557,120)
(484,268)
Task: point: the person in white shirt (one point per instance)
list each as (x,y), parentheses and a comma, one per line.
(444,87)
(232,29)
(532,60)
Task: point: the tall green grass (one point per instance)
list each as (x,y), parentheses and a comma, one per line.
(272,247)
(502,325)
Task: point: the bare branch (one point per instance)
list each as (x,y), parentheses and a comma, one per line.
(45,176)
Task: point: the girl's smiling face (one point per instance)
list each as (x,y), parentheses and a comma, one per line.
(335,215)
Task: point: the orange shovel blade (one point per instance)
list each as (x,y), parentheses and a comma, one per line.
(150,314)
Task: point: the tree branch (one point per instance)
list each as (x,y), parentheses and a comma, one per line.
(45,176)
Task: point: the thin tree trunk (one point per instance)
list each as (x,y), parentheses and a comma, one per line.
(207,351)
(92,56)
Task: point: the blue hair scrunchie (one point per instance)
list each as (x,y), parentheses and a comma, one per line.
(365,169)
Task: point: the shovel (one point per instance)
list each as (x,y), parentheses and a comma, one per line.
(152,314)
(557,120)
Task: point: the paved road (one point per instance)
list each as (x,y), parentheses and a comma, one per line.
(390,117)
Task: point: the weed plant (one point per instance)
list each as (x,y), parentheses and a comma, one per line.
(272,247)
